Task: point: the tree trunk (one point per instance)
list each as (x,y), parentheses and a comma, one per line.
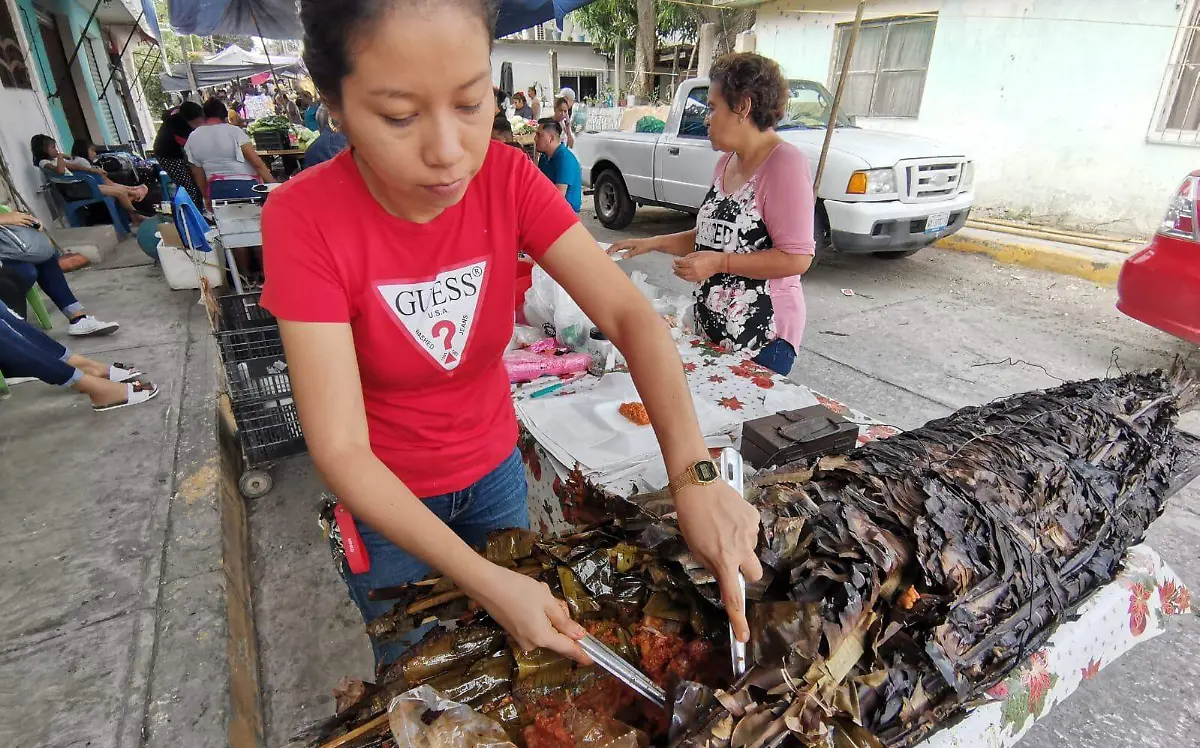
(644,52)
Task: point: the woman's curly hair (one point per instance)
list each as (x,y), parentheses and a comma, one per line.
(746,75)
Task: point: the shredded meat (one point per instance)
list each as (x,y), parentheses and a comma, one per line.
(635,412)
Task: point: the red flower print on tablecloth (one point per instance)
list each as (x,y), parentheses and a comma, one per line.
(1093,667)
(833,405)
(730,402)
(1139,608)
(741,371)
(879,431)
(1173,597)
(764,382)
(716,379)
(1024,692)
(530,456)
(689,367)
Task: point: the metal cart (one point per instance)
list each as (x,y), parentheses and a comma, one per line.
(258,385)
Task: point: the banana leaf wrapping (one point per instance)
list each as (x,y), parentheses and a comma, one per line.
(901,581)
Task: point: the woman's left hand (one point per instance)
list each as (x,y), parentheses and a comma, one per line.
(698,267)
(721,530)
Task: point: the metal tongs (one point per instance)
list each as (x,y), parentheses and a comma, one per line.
(730,466)
(623,671)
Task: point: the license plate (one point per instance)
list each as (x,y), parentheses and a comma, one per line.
(937,222)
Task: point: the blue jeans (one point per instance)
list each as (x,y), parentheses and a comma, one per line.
(778,356)
(26,351)
(53,281)
(232,188)
(499,500)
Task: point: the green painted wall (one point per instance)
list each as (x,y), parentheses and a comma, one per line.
(76,16)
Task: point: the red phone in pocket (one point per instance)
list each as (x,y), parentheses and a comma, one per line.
(352,543)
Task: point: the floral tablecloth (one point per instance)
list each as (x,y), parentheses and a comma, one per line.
(1134,607)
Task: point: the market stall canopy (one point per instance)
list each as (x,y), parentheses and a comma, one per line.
(277,19)
(229,64)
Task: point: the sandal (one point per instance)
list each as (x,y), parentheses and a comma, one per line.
(137,392)
(123,373)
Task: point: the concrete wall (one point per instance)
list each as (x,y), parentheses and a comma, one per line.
(23,114)
(1053,98)
(531,62)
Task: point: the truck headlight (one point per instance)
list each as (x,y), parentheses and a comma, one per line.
(968,177)
(872,182)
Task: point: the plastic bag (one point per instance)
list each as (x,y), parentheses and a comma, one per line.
(423,718)
(642,284)
(548,306)
(526,366)
(524,335)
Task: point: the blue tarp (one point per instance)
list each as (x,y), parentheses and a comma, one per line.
(277,19)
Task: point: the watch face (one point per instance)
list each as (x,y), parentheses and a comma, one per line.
(706,471)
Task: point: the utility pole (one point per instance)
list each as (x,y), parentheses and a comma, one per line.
(708,49)
(554,87)
(831,125)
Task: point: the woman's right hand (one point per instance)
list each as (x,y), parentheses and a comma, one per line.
(631,247)
(527,610)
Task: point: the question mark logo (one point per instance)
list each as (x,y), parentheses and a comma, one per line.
(448,327)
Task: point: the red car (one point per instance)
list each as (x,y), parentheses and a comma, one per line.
(1161,284)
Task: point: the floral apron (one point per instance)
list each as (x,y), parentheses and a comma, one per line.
(734,312)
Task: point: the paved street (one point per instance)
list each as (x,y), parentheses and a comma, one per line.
(908,346)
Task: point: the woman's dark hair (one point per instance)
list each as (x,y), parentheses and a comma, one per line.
(190,110)
(502,125)
(38,146)
(215,109)
(332,26)
(79,149)
(745,75)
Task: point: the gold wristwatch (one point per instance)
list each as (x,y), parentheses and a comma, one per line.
(699,473)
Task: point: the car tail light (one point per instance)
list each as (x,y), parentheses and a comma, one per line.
(1180,220)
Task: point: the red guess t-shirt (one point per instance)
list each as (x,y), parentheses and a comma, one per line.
(430,305)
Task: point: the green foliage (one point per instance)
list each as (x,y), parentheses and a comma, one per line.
(609,20)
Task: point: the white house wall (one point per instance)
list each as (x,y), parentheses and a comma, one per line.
(531,62)
(1055,112)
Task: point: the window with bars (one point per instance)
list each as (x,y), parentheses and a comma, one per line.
(887,72)
(1178,113)
(14,73)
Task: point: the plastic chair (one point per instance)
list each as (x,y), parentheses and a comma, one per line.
(38,307)
(79,191)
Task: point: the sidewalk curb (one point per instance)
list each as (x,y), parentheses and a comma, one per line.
(1098,271)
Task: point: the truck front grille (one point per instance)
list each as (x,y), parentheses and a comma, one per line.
(930,179)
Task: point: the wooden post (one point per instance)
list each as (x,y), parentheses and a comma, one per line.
(554,87)
(708,49)
(674,70)
(837,96)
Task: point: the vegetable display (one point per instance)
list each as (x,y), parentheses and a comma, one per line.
(901,582)
(268,123)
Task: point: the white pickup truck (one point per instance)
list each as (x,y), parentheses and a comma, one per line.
(884,193)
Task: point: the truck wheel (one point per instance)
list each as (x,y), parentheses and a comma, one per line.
(897,255)
(614,207)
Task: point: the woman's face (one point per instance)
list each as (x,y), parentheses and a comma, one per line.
(561,110)
(51,148)
(91,154)
(724,125)
(415,108)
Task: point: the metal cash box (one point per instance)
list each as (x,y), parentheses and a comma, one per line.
(795,434)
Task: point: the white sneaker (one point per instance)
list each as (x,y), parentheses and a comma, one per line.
(91,326)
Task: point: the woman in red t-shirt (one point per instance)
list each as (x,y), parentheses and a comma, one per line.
(391,269)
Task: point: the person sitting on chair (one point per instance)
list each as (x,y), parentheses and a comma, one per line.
(47,156)
(26,351)
(29,258)
(219,151)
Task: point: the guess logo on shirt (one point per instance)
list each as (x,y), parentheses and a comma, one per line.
(438,313)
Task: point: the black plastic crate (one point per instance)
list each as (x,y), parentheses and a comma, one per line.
(243,311)
(246,345)
(269,430)
(271,140)
(258,379)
